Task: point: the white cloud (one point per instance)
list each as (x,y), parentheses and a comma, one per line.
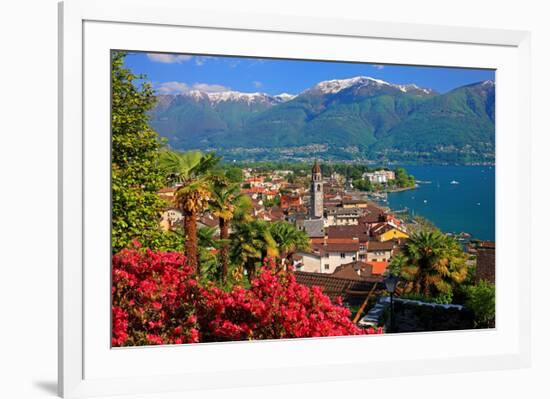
(174,87)
(378,66)
(200,60)
(233,63)
(257,84)
(210,88)
(169,58)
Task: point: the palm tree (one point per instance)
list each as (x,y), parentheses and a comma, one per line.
(243,209)
(189,171)
(433,263)
(207,260)
(192,199)
(222,205)
(183,167)
(251,242)
(289,240)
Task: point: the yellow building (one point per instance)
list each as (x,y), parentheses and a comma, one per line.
(386,232)
(392,234)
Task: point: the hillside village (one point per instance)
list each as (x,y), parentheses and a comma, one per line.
(257,249)
(350,235)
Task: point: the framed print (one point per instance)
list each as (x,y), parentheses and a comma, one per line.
(287,198)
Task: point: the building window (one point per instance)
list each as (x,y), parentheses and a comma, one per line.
(327,266)
(342,255)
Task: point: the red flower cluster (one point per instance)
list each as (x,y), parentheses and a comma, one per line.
(156,300)
(153,299)
(275,306)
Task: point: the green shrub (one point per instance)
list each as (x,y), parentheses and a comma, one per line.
(481,300)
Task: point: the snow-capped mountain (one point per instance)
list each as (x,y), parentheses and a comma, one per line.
(283,97)
(237,96)
(362,112)
(359,82)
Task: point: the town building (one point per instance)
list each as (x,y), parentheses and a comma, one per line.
(330,255)
(355,203)
(354,270)
(291,201)
(379,176)
(314,228)
(168,194)
(170,218)
(378,251)
(485,262)
(338,216)
(316,191)
(385,232)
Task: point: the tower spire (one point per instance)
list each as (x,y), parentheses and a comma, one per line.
(316,191)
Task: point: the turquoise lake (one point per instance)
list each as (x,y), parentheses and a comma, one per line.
(468,206)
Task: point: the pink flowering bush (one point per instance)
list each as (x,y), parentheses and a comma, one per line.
(157,300)
(275,306)
(153,299)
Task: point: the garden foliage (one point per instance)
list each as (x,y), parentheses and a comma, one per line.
(157,300)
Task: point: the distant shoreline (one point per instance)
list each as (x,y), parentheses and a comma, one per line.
(399,189)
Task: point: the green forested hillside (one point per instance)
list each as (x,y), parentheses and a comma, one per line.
(376,120)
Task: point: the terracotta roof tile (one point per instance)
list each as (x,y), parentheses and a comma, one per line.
(335,286)
(380,246)
(337,247)
(357,270)
(378,267)
(361,232)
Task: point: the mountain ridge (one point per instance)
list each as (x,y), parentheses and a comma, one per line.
(377,118)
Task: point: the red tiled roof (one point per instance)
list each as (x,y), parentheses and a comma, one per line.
(355,270)
(378,267)
(358,231)
(276,213)
(254,179)
(339,240)
(254,190)
(335,286)
(316,167)
(337,247)
(380,246)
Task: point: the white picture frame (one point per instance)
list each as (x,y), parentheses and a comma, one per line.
(87,364)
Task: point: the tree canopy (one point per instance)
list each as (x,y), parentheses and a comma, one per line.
(135,173)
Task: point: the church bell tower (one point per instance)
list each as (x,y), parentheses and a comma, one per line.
(316,191)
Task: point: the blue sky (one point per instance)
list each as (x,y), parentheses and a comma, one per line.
(176,73)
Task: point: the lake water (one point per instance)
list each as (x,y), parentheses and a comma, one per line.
(468,206)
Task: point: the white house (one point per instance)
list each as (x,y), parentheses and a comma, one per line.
(328,256)
(379,176)
(170,217)
(343,216)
